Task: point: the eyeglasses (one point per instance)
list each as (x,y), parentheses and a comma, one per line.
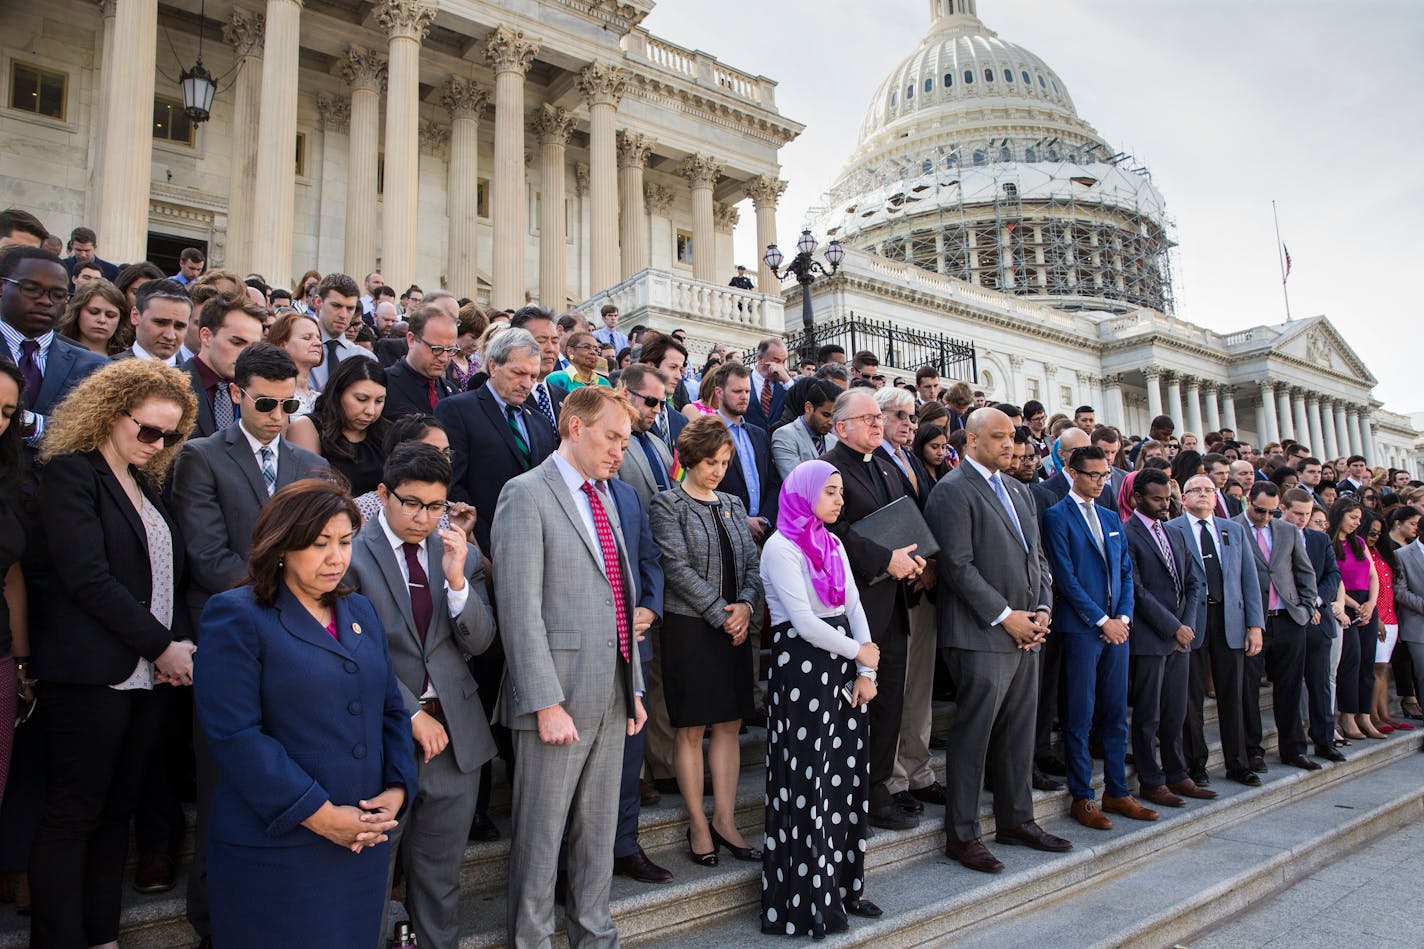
(869,421)
(266,403)
(413,506)
(149,434)
(901,415)
(1200,490)
(37,291)
(1095,476)
(585,348)
(438,350)
(1263,511)
(649,400)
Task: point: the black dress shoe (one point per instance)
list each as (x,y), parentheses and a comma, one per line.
(1329,754)
(154,873)
(482,828)
(972,854)
(930,794)
(205,943)
(1051,764)
(1042,782)
(1301,762)
(891,817)
(938,743)
(1246,777)
(1031,835)
(863,907)
(1200,777)
(638,867)
(1257,764)
(744,854)
(906,802)
(757,719)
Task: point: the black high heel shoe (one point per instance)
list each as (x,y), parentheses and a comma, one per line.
(746,854)
(708,859)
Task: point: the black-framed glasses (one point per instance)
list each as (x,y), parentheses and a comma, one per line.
(36,291)
(649,400)
(151,434)
(1097,477)
(413,506)
(438,350)
(266,403)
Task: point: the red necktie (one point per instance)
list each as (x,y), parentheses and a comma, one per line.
(766,397)
(1220,507)
(430,390)
(611,566)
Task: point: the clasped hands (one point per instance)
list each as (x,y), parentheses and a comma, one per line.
(175,665)
(904,565)
(1027,629)
(738,622)
(355,828)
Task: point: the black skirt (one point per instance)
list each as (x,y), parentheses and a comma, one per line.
(706,680)
(817,789)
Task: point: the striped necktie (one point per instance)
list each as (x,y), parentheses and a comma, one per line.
(269,470)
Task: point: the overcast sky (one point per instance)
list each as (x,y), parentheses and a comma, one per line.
(1231,103)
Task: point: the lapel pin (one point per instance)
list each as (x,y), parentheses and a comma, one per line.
(356,628)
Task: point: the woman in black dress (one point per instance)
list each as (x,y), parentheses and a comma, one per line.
(346,426)
(711,591)
(822,675)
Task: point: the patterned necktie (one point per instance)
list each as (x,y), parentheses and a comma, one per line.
(1274,601)
(766,398)
(1166,549)
(820,442)
(512,414)
(612,567)
(223,416)
(541,398)
(269,470)
(909,469)
(431,392)
(30,369)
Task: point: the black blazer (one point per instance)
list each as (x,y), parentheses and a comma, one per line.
(205,424)
(483,451)
(391,351)
(1159,604)
(407,392)
(735,483)
(97,619)
(868,559)
(1048,493)
(922,477)
(778,402)
(66,365)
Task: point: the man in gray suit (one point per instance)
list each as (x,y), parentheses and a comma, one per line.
(810,436)
(428,586)
(1287,582)
(1409,604)
(995,601)
(567,589)
(647,464)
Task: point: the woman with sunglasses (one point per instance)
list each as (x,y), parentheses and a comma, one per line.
(1355,677)
(346,426)
(118,630)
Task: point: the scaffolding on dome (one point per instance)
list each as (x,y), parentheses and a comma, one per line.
(1032,221)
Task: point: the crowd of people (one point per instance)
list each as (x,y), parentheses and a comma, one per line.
(316,559)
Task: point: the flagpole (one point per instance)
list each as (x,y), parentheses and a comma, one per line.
(1280,259)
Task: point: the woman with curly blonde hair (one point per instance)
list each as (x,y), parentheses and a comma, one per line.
(97,318)
(117,628)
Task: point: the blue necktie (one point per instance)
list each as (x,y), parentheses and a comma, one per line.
(654,461)
(1008,504)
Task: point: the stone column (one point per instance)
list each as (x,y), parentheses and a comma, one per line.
(1342,430)
(1357,435)
(405,22)
(1262,423)
(765,192)
(1284,424)
(1300,428)
(1212,421)
(553,126)
(1228,408)
(108,13)
(466,103)
(633,152)
(365,73)
(1332,439)
(1117,411)
(127,156)
(509,55)
(274,184)
(1153,375)
(1174,402)
(1268,432)
(603,84)
(243,32)
(702,172)
(1317,431)
(1193,407)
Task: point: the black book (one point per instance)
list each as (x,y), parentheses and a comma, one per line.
(897,524)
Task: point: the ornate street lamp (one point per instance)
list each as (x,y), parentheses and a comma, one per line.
(198,84)
(805,268)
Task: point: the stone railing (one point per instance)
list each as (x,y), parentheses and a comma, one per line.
(700,68)
(663,300)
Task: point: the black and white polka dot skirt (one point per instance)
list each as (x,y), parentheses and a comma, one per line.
(817,784)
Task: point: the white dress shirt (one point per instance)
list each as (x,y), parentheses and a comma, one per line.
(454,599)
(141,353)
(257,447)
(792,599)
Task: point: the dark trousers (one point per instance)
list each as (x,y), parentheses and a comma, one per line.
(1283,656)
(1050,678)
(1355,677)
(207,779)
(1095,676)
(1317,687)
(1159,709)
(630,797)
(889,704)
(158,822)
(1416,656)
(1403,664)
(97,741)
(1227,670)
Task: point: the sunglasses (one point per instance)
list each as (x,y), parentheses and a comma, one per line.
(266,403)
(149,434)
(1263,511)
(649,400)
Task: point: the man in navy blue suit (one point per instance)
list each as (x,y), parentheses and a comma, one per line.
(1168,590)
(751,476)
(1297,504)
(769,381)
(1092,610)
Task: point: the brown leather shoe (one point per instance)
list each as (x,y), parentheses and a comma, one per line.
(972,854)
(1161,796)
(154,873)
(648,796)
(1031,835)
(1190,788)
(1086,812)
(1127,807)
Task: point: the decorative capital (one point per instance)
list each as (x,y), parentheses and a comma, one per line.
(1152,373)
(581,178)
(1015,360)
(765,192)
(633,149)
(405,18)
(701,171)
(657,198)
(1191,382)
(363,70)
(108,9)
(1049,370)
(508,51)
(725,216)
(244,31)
(464,98)
(433,137)
(603,83)
(553,125)
(335,113)
(1209,385)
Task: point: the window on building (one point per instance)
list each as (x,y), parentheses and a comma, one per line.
(482,197)
(1008,75)
(1065,395)
(301,154)
(37,91)
(684,248)
(926,167)
(1032,387)
(986,380)
(949,80)
(1041,83)
(169,122)
(988,75)
(969,77)
(1027,81)
(929,84)
(894,99)
(380,173)
(909,93)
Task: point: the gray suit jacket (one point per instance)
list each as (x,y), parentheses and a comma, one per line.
(556,614)
(983,566)
(1290,569)
(1241,585)
(376,573)
(217,495)
(791,444)
(692,555)
(636,473)
(1409,592)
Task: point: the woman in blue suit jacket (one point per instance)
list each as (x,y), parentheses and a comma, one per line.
(297,696)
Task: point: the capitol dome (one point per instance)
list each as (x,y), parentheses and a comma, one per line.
(973,162)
